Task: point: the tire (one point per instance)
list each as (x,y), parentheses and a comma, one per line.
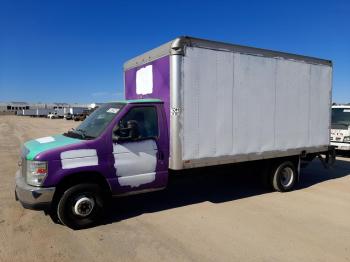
(80,206)
(284,176)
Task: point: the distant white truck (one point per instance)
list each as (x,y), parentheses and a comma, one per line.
(42,112)
(53,115)
(340,131)
(73,111)
(29,112)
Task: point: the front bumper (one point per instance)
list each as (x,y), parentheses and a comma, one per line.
(341,146)
(31,197)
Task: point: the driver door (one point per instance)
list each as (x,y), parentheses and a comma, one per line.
(137,160)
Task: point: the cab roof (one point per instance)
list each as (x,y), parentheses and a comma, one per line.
(139,101)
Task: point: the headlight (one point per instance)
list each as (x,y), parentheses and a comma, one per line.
(36,172)
(346,139)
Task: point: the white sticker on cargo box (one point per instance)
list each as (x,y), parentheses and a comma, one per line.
(144,80)
(346,111)
(112,110)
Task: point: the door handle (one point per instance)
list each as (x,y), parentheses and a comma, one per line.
(160,155)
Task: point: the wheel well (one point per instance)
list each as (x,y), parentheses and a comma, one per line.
(270,164)
(84,177)
(293,159)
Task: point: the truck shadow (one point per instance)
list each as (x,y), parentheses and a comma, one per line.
(345,154)
(214,185)
(315,173)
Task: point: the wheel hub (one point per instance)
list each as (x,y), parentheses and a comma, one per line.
(287,176)
(83,206)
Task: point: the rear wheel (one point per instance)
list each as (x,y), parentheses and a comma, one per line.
(80,206)
(284,176)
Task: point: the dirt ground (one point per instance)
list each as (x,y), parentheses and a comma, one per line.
(213,217)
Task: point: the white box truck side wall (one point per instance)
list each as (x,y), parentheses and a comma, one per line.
(238,105)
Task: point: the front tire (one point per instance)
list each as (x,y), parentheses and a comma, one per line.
(284,176)
(80,206)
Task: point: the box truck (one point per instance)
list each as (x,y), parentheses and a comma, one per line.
(43,112)
(190,103)
(71,112)
(29,112)
(74,110)
(340,133)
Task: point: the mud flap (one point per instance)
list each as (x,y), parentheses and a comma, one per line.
(298,169)
(330,157)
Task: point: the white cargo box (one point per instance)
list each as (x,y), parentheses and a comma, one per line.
(231,103)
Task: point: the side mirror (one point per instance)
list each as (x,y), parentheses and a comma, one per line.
(130,132)
(133,129)
(115,132)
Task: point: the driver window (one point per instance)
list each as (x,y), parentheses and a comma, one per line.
(147,121)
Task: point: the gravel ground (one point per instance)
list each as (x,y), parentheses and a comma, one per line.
(213,217)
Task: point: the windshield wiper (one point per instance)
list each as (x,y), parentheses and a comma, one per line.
(78,133)
(83,134)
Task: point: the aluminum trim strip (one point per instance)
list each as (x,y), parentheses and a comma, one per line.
(177,46)
(250,157)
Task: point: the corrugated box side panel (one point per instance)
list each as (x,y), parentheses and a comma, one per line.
(320,96)
(292,104)
(29,112)
(43,111)
(236,104)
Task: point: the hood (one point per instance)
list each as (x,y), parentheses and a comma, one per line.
(34,147)
(340,126)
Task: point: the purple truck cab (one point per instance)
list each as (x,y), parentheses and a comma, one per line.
(122,148)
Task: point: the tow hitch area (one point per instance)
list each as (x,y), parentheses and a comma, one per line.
(329,157)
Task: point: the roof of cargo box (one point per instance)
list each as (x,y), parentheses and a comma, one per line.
(178,47)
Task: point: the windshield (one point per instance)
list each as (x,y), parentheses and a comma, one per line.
(341,116)
(94,124)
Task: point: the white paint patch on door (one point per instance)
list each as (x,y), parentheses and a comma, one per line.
(78,153)
(79,158)
(135,162)
(45,140)
(137,180)
(144,80)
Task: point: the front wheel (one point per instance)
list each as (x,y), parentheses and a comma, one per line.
(284,176)
(80,206)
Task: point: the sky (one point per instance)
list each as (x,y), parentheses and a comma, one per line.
(73,51)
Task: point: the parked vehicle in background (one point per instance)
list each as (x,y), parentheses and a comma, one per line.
(190,103)
(74,110)
(68,116)
(81,117)
(42,112)
(60,112)
(53,115)
(29,112)
(78,117)
(340,132)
